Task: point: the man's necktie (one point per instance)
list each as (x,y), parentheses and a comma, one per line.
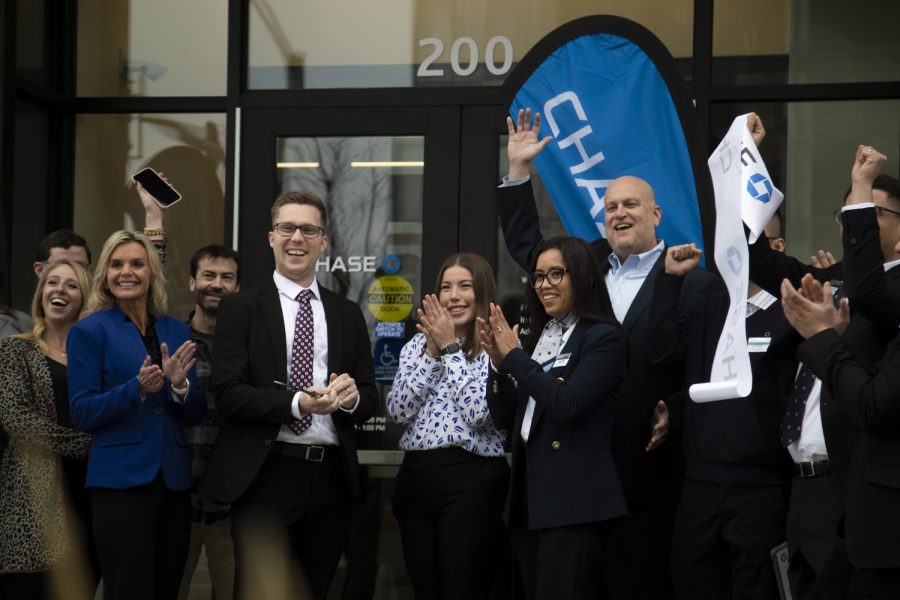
(301,368)
(792,420)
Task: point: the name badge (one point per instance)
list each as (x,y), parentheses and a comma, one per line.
(758,344)
(561,360)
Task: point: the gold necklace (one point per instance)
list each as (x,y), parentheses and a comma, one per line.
(60,350)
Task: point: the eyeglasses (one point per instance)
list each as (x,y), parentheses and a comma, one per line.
(310,232)
(553,277)
(879,211)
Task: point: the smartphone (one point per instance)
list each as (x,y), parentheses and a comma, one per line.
(163,193)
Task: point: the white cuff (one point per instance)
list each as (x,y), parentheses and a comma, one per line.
(507,182)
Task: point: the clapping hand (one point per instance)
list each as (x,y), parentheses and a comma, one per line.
(496,336)
(435,323)
(150,377)
(810,309)
(177,366)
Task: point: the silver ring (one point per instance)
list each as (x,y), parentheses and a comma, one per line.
(869,148)
(499,330)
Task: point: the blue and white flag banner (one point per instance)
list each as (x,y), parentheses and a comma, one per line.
(611,113)
(760,198)
(731,171)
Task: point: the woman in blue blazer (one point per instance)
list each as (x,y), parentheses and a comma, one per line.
(131,385)
(556,397)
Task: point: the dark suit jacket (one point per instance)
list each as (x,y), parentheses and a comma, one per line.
(865,338)
(134,439)
(647,477)
(250,354)
(566,470)
(869,397)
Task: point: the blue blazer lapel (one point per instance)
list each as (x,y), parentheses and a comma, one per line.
(644,296)
(131,337)
(270,307)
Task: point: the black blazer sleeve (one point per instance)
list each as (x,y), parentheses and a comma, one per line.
(870,290)
(234,368)
(600,368)
(872,401)
(667,330)
(768,267)
(519,222)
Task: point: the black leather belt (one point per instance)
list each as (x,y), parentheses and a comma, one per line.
(302,451)
(814,468)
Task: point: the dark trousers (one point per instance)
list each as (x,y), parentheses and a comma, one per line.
(295,513)
(637,556)
(722,541)
(819,567)
(448,503)
(875,584)
(562,563)
(25,586)
(142,536)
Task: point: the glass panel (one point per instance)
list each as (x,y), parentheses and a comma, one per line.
(31,42)
(152,48)
(372,188)
(188,148)
(795,41)
(30,195)
(401,43)
(811,163)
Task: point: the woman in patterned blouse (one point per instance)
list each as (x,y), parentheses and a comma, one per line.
(45,451)
(452,483)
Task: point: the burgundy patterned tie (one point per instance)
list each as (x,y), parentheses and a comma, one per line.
(301,367)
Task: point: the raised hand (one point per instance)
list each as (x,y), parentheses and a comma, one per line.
(524,142)
(496,336)
(867,164)
(177,366)
(757,131)
(680,260)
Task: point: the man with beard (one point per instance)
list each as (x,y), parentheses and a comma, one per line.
(215,273)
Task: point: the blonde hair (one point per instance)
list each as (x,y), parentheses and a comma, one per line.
(38,316)
(101,297)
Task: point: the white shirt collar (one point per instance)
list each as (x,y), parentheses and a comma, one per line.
(762,300)
(291,288)
(890,265)
(639,262)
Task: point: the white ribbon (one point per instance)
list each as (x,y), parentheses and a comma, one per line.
(737,172)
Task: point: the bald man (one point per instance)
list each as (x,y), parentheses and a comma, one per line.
(637,563)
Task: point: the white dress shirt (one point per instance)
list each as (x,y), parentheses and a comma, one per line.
(321,431)
(624,280)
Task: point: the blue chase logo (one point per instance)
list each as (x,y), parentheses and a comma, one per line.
(759,187)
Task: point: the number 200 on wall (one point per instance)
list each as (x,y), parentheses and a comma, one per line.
(491,50)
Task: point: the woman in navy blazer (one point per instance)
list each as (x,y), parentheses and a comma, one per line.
(132,393)
(556,397)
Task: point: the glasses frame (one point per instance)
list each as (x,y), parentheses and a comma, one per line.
(879,211)
(537,279)
(320,231)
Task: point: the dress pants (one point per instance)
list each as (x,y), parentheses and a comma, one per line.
(449,503)
(562,563)
(142,536)
(819,567)
(723,538)
(216,537)
(296,513)
(638,553)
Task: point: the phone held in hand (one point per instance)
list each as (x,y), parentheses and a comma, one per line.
(163,193)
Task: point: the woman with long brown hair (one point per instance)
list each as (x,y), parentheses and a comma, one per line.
(451,485)
(44,462)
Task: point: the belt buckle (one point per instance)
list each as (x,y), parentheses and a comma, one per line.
(811,469)
(315,453)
